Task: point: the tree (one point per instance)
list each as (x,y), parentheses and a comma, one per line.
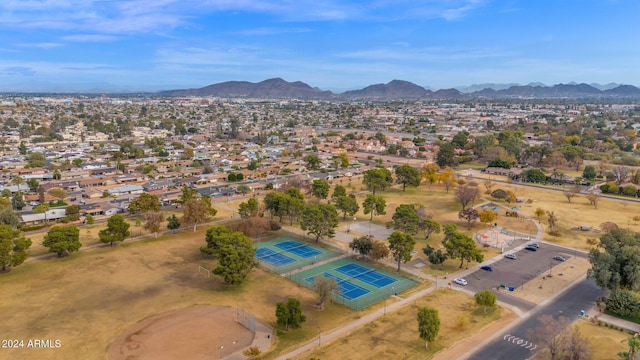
(634,347)
(249,208)
(618,266)
(446,155)
(379,250)
(377,179)
(405,219)
(534,176)
(620,174)
(589,172)
(9,217)
(35,159)
(324,286)
(63,240)
(347,205)
(33,184)
(407,175)
(320,189)
(486,299)
(550,335)
(13,248)
(16,201)
(173,223)
(187,194)
(59,193)
(401,245)
(152,221)
(338,191)
(429,173)
(576,347)
(22,148)
(235,253)
(197,211)
(622,302)
(571,193)
(319,220)
(460,246)
(145,202)
(362,245)
(487,216)
(539,213)
(117,230)
(289,314)
(551,219)
(72,212)
(89,219)
(437,257)
(428,225)
(428,324)
(374,204)
(448,178)
(312,161)
(469,215)
(276,203)
(593,199)
(466,195)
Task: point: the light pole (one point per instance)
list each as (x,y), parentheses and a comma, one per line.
(319,334)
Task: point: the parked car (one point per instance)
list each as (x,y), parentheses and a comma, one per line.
(460,281)
(487,267)
(559,258)
(536,245)
(531,248)
(34,203)
(511,256)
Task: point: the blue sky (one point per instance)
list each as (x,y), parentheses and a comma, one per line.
(331,44)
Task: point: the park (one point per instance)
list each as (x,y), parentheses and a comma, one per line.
(128,287)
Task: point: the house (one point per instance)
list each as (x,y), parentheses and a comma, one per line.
(125,190)
(49,215)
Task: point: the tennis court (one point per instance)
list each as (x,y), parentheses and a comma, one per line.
(370,276)
(301,250)
(287,253)
(360,285)
(348,289)
(272,257)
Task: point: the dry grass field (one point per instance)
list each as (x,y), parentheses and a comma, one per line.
(605,342)
(395,336)
(89,298)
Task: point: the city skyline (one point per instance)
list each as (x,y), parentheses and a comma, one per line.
(165,44)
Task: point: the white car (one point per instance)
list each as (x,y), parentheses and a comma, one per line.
(511,256)
(460,281)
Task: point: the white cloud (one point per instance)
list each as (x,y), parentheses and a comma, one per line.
(89,38)
(43,45)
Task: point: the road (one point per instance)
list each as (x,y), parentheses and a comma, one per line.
(514,344)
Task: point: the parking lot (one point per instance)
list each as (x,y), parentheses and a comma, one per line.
(515,273)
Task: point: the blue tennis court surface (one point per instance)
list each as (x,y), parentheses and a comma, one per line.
(365,274)
(272,257)
(348,290)
(302,250)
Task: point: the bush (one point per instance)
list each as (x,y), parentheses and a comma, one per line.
(622,302)
(275,226)
(500,194)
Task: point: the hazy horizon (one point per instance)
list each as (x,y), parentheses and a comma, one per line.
(156,45)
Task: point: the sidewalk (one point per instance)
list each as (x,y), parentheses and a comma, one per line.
(595,313)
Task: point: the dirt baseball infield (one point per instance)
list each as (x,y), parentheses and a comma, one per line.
(197,332)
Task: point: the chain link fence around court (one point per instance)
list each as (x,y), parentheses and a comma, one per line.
(300,263)
(246,319)
(375,295)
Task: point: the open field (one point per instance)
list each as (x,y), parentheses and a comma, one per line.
(605,342)
(89,298)
(395,336)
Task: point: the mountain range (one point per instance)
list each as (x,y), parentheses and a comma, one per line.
(399,89)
